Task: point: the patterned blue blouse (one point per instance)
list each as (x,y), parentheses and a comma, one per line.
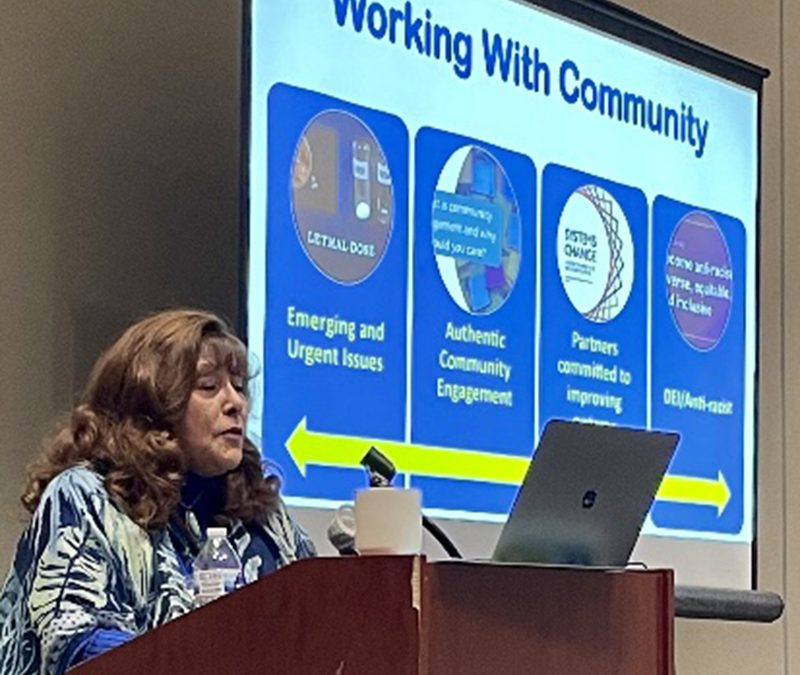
(86,577)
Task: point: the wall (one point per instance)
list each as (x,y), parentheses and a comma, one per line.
(754,31)
(119,130)
(119,133)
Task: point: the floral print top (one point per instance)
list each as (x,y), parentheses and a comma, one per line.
(82,565)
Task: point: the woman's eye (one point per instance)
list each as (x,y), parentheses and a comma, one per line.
(206,385)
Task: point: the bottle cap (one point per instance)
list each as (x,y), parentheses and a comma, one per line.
(214,532)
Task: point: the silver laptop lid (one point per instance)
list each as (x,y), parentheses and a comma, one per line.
(585,495)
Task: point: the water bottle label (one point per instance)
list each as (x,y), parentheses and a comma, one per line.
(209,584)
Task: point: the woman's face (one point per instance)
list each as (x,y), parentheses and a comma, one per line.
(211,433)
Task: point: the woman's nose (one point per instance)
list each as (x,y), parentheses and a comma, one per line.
(235,401)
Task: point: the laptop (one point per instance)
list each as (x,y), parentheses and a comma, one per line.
(585,495)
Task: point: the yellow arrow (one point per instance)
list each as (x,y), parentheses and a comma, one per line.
(309,447)
(686,490)
(320,449)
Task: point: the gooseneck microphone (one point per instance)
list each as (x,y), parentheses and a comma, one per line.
(381,472)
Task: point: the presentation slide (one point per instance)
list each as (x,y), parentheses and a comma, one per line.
(469,217)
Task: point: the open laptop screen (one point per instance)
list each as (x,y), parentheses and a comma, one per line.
(586,495)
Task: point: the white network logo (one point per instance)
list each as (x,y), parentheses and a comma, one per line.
(605,308)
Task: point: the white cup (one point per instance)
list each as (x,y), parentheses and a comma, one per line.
(388,521)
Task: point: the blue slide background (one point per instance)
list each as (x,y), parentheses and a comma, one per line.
(709,443)
(335,400)
(437,421)
(560,318)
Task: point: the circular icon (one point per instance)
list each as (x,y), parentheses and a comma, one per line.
(699,280)
(595,254)
(342,196)
(476,230)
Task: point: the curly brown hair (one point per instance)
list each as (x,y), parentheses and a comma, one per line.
(125,425)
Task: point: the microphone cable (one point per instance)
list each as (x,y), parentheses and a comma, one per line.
(439,535)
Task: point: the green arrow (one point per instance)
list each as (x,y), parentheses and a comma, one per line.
(320,449)
(686,490)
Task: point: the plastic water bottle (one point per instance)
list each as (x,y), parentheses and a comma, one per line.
(217,568)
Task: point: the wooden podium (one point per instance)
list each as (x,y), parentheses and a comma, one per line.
(405,615)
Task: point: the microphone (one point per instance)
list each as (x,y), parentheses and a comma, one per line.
(381,471)
(342,530)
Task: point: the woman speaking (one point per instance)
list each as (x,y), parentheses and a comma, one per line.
(121,498)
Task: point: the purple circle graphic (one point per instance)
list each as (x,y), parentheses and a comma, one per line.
(699,280)
(342,196)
